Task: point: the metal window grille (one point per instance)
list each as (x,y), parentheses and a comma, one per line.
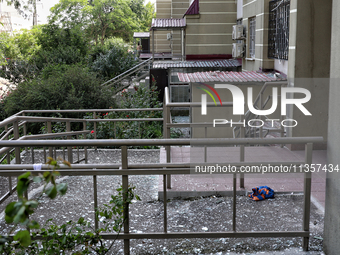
(278,37)
(252,25)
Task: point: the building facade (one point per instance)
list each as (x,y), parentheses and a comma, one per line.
(208,28)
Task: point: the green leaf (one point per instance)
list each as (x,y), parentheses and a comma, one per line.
(10,209)
(62,188)
(81,220)
(34,225)
(32,203)
(89,234)
(37,179)
(51,192)
(23,236)
(22,186)
(8,219)
(20,215)
(46,174)
(24,176)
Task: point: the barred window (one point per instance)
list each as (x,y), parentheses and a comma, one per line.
(252,31)
(278,38)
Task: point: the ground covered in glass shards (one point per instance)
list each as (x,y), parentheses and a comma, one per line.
(201,214)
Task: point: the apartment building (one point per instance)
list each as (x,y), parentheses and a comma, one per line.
(208,28)
(292,37)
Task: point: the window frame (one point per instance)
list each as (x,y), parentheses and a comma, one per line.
(251,36)
(278,30)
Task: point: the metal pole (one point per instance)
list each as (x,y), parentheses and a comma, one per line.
(307,194)
(49,130)
(95,194)
(242,152)
(85,148)
(153,45)
(16,137)
(168,148)
(125,181)
(260,117)
(69,149)
(234,202)
(165,200)
(205,147)
(32,154)
(45,158)
(8,158)
(95,128)
(25,129)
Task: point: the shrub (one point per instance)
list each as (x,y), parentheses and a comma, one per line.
(112,59)
(60,87)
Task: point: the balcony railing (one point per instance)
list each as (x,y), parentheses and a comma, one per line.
(164,169)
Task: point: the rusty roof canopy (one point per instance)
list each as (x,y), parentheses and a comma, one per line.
(141,35)
(227,77)
(196,64)
(166,24)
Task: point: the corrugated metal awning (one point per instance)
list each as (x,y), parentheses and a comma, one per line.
(193,8)
(141,34)
(197,64)
(167,23)
(227,77)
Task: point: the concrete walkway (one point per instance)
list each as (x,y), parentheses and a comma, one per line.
(204,185)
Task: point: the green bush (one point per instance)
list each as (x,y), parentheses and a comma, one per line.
(112,60)
(60,87)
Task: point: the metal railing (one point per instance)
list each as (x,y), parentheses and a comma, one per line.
(145,65)
(125,169)
(259,104)
(19,120)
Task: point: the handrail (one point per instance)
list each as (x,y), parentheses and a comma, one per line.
(162,142)
(17,116)
(128,71)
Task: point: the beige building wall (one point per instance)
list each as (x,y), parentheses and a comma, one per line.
(331,236)
(178,8)
(163,11)
(309,64)
(210,31)
(258,9)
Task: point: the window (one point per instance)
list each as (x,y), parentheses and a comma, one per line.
(252,26)
(278,37)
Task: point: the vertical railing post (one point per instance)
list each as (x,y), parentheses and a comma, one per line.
(16,137)
(8,158)
(95,128)
(168,148)
(307,194)
(49,130)
(165,201)
(166,135)
(125,181)
(32,154)
(153,44)
(205,147)
(242,135)
(85,148)
(260,116)
(234,202)
(95,198)
(69,149)
(25,129)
